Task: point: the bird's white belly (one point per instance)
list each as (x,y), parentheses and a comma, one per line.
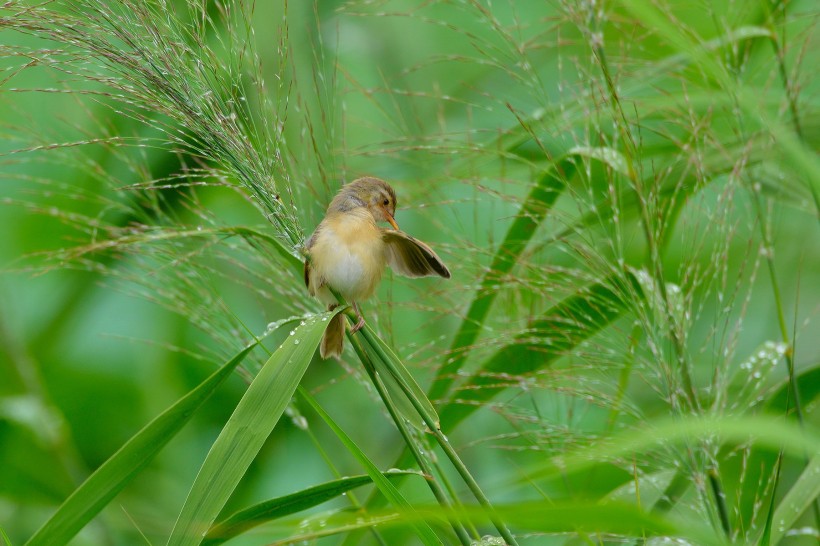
(346,273)
(350,262)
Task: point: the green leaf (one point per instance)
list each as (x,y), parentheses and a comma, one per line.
(246,431)
(390,367)
(545,340)
(284,251)
(609,156)
(808,385)
(802,494)
(539,201)
(424,532)
(351,523)
(115,473)
(283,506)
(537,516)
(610,517)
(774,433)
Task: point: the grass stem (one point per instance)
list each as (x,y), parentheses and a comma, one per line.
(448,449)
(399,421)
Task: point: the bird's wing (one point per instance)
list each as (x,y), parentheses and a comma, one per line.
(308,245)
(410,257)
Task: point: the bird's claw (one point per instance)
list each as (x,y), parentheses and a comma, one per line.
(358,326)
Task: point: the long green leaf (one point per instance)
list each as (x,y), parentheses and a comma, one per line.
(808,385)
(246,431)
(618,518)
(539,201)
(533,211)
(545,340)
(799,498)
(264,512)
(113,475)
(423,530)
(609,517)
(390,366)
(342,522)
(772,432)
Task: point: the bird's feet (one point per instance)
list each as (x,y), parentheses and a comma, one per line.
(359,325)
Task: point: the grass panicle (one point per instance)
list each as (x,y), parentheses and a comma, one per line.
(626,194)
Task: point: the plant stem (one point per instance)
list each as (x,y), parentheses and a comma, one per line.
(791,95)
(646,223)
(720,500)
(445,445)
(449,487)
(436,489)
(354,501)
(630,153)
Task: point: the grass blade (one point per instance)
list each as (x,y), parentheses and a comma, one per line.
(539,201)
(799,498)
(392,368)
(609,518)
(808,385)
(764,431)
(545,340)
(286,505)
(250,425)
(115,473)
(335,524)
(424,532)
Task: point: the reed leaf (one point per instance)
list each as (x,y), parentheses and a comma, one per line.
(246,431)
(269,510)
(391,493)
(542,196)
(543,341)
(113,475)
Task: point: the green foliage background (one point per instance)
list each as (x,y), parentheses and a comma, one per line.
(626,193)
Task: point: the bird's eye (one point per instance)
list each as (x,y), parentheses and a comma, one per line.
(386,202)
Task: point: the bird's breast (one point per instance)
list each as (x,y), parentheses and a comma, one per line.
(349,255)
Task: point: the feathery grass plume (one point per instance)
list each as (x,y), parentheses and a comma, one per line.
(625,191)
(174,68)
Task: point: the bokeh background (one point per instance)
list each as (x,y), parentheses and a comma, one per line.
(462,106)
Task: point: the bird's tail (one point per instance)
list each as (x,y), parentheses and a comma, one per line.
(334,337)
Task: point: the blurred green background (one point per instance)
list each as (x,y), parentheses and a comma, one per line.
(461,106)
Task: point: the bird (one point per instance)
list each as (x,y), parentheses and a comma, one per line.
(349,251)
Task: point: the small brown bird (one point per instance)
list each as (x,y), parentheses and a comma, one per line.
(348,253)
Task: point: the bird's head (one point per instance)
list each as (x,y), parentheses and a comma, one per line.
(372,193)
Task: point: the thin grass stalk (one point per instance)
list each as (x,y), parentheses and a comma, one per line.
(655,258)
(435,488)
(451,454)
(791,94)
(765,539)
(354,501)
(767,245)
(442,476)
(438,493)
(720,500)
(646,224)
(421,526)
(788,357)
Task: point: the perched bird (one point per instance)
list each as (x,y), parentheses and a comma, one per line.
(348,253)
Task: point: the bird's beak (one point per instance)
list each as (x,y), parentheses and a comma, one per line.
(390,219)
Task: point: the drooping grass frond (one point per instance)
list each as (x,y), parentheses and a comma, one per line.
(189,73)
